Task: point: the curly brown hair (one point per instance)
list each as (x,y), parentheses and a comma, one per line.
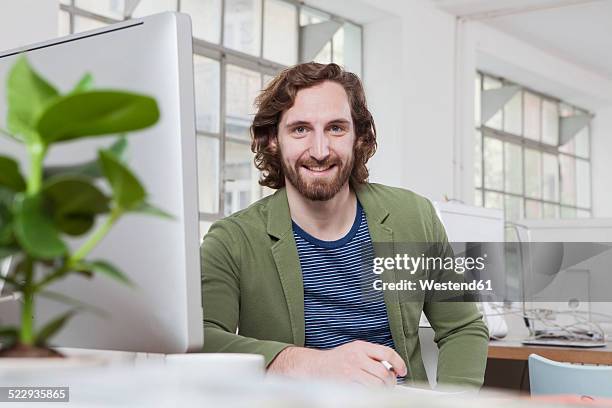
(280,95)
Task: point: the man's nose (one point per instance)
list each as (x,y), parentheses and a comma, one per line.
(319,149)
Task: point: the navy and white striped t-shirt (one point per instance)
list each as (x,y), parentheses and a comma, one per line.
(340,305)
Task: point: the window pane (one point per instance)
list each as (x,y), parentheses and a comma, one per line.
(311,16)
(204,227)
(266,80)
(242,25)
(568,212)
(513,208)
(347,48)
(206,73)
(550,210)
(550,165)
(208,174)
(478,198)
(583,214)
(242,87)
(148,7)
(63,23)
(513,115)
(205,18)
(533,209)
(496,120)
(85,24)
(325,55)
(266,191)
(533,173)
(531,115)
(582,143)
(478,159)
(569,147)
(280,22)
(107,8)
(513,159)
(241,176)
(493,163)
(583,183)
(565,110)
(550,123)
(568,179)
(477,100)
(494,200)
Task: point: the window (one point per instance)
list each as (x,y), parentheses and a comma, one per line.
(524,163)
(236,52)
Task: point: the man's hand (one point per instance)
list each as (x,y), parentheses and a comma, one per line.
(358,361)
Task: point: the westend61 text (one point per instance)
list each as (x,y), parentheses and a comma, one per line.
(429,285)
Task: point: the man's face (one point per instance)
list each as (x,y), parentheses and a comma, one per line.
(316,139)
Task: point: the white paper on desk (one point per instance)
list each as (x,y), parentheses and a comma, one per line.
(421,391)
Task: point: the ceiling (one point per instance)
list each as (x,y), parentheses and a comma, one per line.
(579,31)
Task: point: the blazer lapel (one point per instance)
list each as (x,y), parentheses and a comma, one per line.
(287,262)
(377,214)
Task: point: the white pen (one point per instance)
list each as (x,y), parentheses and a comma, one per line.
(387,365)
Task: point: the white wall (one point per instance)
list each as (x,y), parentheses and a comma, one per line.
(386,104)
(601,150)
(409,78)
(23,22)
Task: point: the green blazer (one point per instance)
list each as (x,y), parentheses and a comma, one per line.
(253,296)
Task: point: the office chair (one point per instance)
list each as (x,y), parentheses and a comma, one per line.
(548,377)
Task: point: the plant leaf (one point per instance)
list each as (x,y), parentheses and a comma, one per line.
(84,84)
(6,217)
(105,268)
(74,201)
(10,176)
(96,113)
(8,331)
(146,208)
(92,167)
(35,230)
(128,192)
(48,330)
(28,94)
(6,251)
(9,135)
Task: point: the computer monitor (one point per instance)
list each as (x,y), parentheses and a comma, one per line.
(163,313)
(568,272)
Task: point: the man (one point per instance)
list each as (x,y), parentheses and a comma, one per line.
(283,278)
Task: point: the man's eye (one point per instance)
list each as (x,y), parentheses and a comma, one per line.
(336,129)
(300,130)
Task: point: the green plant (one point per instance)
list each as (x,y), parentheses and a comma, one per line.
(38,212)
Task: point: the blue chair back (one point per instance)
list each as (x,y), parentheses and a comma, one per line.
(548,377)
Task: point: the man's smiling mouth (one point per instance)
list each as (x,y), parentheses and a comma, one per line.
(319,169)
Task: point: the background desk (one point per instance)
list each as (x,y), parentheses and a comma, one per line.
(514,350)
(507,361)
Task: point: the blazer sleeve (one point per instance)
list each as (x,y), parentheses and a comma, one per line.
(220,269)
(460,333)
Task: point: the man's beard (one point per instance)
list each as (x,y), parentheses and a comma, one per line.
(321,188)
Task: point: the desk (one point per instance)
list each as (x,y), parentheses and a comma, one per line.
(514,350)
